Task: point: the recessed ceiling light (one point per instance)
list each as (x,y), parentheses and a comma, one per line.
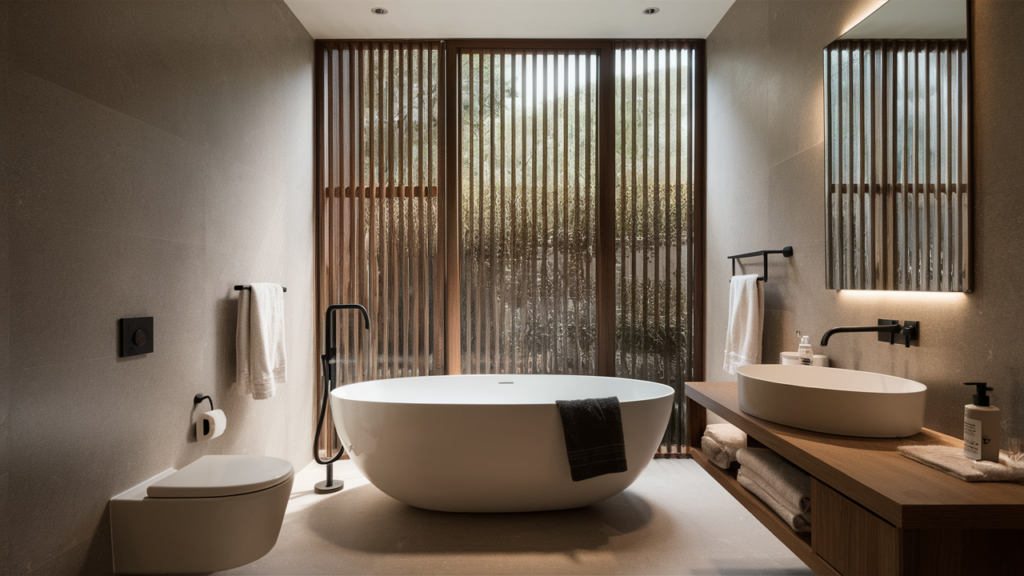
(651,10)
(379,11)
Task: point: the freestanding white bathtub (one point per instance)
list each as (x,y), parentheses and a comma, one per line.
(489,443)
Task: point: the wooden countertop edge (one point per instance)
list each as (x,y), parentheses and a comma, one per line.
(908,516)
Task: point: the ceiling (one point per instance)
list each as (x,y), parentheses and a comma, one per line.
(445,19)
(914,19)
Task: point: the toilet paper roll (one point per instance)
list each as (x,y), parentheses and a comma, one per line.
(210,425)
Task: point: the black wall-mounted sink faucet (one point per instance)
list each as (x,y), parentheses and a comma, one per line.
(888,331)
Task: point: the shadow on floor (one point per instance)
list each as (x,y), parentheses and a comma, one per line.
(365,519)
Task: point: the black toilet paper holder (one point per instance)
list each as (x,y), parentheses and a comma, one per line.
(199,400)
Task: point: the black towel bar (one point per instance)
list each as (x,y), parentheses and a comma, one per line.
(240,287)
(787,252)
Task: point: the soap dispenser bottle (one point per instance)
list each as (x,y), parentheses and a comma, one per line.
(804,351)
(981,426)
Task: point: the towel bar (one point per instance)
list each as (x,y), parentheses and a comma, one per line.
(787,252)
(240,287)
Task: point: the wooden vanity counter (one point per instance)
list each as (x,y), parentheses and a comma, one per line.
(874,511)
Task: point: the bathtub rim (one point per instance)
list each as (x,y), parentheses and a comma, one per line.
(338,392)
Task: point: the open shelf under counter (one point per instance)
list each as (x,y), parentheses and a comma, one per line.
(873,510)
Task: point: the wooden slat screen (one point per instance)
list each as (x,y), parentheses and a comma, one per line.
(381,206)
(897,165)
(654,195)
(528,179)
(571,240)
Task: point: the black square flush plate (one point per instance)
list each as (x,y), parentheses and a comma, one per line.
(136,336)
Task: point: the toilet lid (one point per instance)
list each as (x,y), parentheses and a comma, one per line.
(213,476)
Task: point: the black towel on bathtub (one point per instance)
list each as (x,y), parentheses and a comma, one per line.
(593,436)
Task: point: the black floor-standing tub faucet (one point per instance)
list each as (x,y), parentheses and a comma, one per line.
(329,368)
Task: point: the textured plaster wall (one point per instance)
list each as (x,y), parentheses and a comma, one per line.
(765,190)
(154,155)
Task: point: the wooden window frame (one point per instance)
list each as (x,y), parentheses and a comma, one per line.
(449,227)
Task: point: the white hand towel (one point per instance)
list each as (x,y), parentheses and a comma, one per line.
(799,521)
(746,321)
(788,483)
(721,442)
(951,460)
(259,344)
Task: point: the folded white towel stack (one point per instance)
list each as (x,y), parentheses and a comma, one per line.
(783,487)
(746,322)
(951,460)
(259,343)
(721,442)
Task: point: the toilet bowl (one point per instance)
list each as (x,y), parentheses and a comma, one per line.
(218,512)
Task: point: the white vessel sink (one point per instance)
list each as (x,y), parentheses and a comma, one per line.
(833,401)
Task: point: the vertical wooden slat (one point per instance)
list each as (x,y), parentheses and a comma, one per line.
(472,332)
(492,279)
(884,281)
(683,196)
(949,252)
(915,181)
(415,214)
(863,190)
(525,261)
(656,192)
(418,306)
(698,185)
(483,344)
(580,287)
(401,205)
(606,215)
(905,273)
(958,177)
(515,264)
(361,278)
(534,217)
(545,291)
(320,204)
(845,204)
(594,187)
(373,298)
(391,293)
(452,213)
(561,246)
(830,95)
(926,192)
(504,330)
(349,202)
(435,211)
(634,232)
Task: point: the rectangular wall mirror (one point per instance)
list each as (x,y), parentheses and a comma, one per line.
(897,150)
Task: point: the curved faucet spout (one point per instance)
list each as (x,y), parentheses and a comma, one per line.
(884,328)
(333,307)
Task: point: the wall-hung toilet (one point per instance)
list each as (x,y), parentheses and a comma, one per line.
(218,512)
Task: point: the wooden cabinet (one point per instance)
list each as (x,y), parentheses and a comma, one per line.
(849,537)
(872,510)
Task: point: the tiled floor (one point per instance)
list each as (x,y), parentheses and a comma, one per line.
(674,520)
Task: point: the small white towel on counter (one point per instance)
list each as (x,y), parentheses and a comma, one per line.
(721,442)
(745,324)
(951,460)
(259,344)
(783,487)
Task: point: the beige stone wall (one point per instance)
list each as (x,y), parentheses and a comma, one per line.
(155,154)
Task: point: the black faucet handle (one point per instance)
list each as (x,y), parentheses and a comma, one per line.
(909,332)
